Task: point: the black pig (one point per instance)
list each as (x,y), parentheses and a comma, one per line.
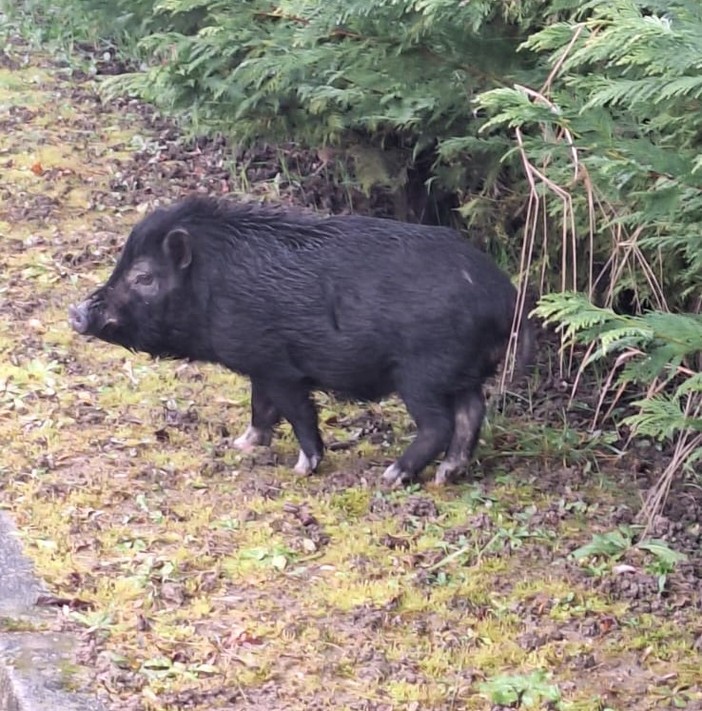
(358,306)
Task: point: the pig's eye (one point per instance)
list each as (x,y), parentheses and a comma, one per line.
(144,279)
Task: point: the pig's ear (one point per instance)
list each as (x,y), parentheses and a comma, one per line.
(177,247)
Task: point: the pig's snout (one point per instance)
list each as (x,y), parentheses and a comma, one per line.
(79,317)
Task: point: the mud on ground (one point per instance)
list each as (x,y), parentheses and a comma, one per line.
(196,578)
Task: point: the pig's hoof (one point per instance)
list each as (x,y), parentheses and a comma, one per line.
(444,474)
(305,466)
(394,476)
(251,438)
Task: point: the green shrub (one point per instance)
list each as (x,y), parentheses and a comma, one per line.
(657,352)
(68,21)
(387,82)
(611,142)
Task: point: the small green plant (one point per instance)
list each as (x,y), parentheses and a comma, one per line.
(524,691)
(664,560)
(97,621)
(612,545)
(608,548)
(277,557)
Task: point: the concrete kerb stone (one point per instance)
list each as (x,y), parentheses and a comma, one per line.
(34,666)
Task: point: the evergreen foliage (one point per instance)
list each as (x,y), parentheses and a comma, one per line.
(95,21)
(317,72)
(617,124)
(387,81)
(657,351)
(610,143)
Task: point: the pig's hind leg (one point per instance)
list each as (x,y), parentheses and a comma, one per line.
(435,421)
(469,410)
(264,417)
